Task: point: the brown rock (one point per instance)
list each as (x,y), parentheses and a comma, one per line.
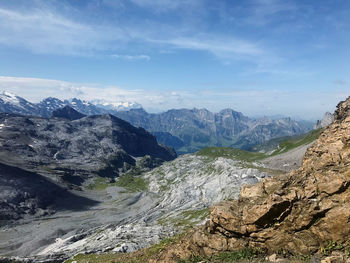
(298,212)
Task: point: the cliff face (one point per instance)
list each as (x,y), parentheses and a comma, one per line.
(326,120)
(299,212)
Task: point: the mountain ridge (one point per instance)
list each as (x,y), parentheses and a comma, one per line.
(192,129)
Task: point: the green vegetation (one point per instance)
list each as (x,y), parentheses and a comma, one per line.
(332,246)
(294,142)
(187,218)
(232,153)
(131,181)
(100,184)
(140,256)
(231,256)
(286,145)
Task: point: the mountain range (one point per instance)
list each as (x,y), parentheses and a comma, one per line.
(186,130)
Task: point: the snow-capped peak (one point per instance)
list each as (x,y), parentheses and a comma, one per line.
(9,98)
(118,106)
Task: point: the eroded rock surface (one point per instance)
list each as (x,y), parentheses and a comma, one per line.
(298,212)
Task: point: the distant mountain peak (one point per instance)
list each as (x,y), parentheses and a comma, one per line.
(118,105)
(67,112)
(9,97)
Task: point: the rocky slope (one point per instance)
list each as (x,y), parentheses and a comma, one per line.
(70,152)
(24,193)
(297,213)
(176,195)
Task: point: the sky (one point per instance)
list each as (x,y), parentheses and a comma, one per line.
(260,57)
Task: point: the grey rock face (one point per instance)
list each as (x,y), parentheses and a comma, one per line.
(326,120)
(24,193)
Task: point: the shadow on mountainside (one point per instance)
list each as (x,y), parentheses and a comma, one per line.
(24,193)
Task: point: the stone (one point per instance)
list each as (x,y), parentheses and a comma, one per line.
(299,212)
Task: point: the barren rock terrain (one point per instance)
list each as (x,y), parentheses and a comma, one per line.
(299,213)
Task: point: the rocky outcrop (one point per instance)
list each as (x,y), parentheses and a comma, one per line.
(326,120)
(297,213)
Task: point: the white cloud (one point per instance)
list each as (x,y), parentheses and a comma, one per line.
(221,47)
(226,49)
(132,57)
(311,105)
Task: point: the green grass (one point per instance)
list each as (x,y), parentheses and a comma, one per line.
(100,183)
(232,153)
(186,219)
(132,183)
(139,256)
(247,156)
(231,256)
(297,141)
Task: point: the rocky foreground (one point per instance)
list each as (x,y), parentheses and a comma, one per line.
(299,213)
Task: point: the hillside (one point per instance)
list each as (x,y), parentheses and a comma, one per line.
(303,212)
(67,152)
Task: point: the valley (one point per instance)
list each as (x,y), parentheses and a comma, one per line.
(186,131)
(141,208)
(77,184)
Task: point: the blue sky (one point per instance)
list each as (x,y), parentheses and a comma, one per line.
(260,57)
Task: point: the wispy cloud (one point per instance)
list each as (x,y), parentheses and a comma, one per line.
(165,5)
(46,30)
(223,48)
(132,57)
(311,105)
(263,11)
